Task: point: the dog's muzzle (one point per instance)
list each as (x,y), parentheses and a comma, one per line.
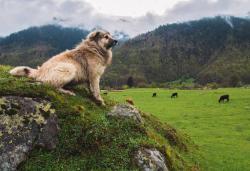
(112,44)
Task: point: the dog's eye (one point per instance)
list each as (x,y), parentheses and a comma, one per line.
(106,37)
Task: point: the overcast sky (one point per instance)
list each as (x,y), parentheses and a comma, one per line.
(130,16)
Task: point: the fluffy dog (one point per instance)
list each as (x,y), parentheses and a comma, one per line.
(85,63)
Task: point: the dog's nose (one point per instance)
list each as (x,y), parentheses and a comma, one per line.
(115,42)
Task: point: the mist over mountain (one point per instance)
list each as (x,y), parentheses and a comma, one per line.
(121,35)
(207,50)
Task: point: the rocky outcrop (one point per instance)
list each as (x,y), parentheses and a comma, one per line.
(150,160)
(126,111)
(146,159)
(25,123)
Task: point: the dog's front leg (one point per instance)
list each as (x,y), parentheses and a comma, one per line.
(95,89)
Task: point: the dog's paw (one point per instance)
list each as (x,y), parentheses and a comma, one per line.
(100,102)
(103,104)
(67,92)
(71,93)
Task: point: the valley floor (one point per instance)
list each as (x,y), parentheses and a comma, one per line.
(221,131)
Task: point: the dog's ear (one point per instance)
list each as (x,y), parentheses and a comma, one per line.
(93,35)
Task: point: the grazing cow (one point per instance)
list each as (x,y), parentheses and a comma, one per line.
(105,93)
(223,98)
(130,101)
(174,95)
(154,95)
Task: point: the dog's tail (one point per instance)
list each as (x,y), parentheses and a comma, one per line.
(24,71)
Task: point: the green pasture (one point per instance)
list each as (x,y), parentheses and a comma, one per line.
(221,131)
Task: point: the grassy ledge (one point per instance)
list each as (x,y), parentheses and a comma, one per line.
(89,140)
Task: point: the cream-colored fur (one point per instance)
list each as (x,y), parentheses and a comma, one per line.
(85,63)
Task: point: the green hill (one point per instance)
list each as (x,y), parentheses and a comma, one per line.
(88,138)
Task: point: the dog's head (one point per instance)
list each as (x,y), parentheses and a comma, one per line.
(103,39)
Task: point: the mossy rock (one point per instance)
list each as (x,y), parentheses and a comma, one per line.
(89,139)
(25,123)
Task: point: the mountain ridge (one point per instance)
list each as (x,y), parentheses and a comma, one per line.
(185,50)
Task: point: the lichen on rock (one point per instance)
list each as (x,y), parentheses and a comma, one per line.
(150,160)
(24,123)
(126,111)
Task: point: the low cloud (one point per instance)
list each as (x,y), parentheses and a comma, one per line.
(16,15)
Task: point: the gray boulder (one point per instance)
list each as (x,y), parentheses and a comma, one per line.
(127,111)
(24,124)
(150,160)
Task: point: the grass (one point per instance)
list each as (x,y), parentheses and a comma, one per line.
(89,140)
(221,131)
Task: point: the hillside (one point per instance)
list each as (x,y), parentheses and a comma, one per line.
(209,50)
(46,130)
(36,44)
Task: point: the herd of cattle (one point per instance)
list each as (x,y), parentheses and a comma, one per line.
(223,98)
(174,95)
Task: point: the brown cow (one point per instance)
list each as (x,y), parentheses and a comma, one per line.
(130,101)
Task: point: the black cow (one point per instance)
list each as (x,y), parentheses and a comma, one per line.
(105,93)
(223,98)
(154,95)
(174,95)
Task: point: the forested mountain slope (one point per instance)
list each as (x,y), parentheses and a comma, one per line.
(36,44)
(209,50)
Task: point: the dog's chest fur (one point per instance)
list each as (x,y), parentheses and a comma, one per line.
(90,67)
(100,69)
